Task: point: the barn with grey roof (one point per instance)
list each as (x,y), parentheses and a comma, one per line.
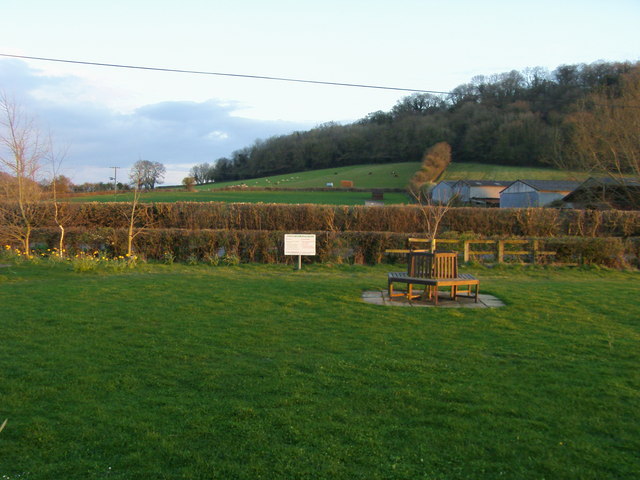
(535,193)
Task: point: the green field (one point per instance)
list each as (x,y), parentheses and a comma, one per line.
(339,197)
(397,175)
(480,171)
(248,372)
(394,175)
(389,175)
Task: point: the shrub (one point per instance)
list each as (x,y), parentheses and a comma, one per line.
(188,183)
(392,218)
(608,252)
(219,246)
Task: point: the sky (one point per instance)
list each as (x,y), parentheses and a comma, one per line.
(106,117)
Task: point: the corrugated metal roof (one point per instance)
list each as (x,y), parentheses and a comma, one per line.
(552,185)
(487,183)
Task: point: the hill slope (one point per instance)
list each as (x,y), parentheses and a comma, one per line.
(483,171)
(396,175)
(390,175)
(512,118)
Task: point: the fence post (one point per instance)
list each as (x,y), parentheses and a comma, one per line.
(534,250)
(465,255)
(500,256)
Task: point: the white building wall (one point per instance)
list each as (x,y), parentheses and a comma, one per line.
(487,191)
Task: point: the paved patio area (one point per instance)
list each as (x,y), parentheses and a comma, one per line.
(381,297)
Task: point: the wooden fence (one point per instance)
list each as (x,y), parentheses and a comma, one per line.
(499,249)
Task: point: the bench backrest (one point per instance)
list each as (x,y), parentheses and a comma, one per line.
(433,265)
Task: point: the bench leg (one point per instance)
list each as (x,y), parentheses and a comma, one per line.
(426,293)
(391,294)
(411,295)
(466,290)
(408,293)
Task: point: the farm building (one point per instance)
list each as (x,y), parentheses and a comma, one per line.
(620,194)
(535,193)
(480,192)
(443,191)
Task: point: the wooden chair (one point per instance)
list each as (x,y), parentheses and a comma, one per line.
(433,270)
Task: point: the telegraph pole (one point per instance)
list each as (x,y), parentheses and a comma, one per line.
(115,181)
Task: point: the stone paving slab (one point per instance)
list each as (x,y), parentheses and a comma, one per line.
(381,297)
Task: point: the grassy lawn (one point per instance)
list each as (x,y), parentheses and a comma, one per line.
(258,371)
(324,198)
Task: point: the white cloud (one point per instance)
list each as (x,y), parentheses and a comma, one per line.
(176,133)
(217,135)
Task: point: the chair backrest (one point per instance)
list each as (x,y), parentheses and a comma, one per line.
(420,265)
(446,265)
(433,265)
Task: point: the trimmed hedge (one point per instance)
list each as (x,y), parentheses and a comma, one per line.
(535,222)
(267,246)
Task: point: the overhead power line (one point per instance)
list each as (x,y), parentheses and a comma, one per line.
(220,74)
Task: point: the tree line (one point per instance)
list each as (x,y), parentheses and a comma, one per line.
(515,118)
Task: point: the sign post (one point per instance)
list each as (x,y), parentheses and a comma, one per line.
(299,244)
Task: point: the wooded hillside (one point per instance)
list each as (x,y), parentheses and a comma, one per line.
(514,118)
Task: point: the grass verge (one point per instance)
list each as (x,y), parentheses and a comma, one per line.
(258,371)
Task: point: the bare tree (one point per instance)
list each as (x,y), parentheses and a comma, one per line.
(202,173)
(605,129)
(137,218)
(147,173)
(434,163)
(432,212)
(21,155)
(61,212)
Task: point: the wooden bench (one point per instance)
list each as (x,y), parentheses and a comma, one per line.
(433,270)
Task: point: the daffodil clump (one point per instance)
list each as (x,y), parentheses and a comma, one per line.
(81,262)
(18,255)
(87,261)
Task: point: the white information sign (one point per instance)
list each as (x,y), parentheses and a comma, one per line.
(300,244)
